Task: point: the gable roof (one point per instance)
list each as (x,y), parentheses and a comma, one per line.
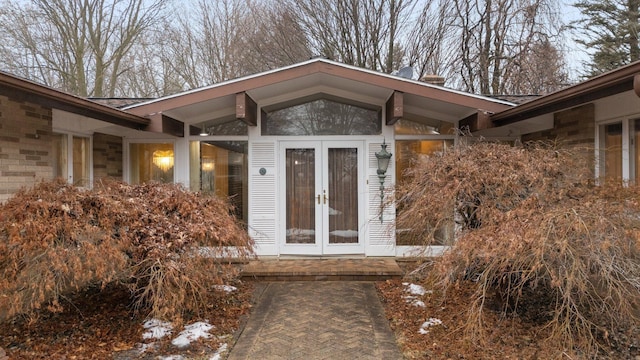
(314,76)
(25,90)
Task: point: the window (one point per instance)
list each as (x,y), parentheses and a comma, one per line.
(428,127)
(75,165)
(619,154)
(224,126)
(221,168)
(323,117)
(151,162)
(407,152)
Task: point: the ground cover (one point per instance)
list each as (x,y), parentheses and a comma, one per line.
(100,324)
(429,325)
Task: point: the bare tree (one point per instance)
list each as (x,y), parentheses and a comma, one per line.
(430,41)
(275,38)
(365,33)
(74,45)
(496,37)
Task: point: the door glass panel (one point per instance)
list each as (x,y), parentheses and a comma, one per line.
(300,196)
(343,195)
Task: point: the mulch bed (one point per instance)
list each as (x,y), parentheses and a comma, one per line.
(506,337)
(100,324)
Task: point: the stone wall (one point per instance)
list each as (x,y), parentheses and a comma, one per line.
(107,156)
(25,145)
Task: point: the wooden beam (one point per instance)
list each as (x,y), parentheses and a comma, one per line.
(161,123)
(395,107)
(246,109)
(480,120)
(636,84)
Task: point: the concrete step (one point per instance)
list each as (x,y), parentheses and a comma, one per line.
(322,269)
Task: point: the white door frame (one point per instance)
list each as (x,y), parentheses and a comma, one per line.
(321,245)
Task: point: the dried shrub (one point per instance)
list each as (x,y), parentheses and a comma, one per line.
(536,235)
(56,238)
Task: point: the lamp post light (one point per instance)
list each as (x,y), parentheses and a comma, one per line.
(383,157)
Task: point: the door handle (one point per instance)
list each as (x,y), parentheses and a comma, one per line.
(318,199)
(324,195)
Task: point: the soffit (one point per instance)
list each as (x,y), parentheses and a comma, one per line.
(313,77)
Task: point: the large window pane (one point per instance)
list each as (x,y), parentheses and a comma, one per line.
(322,117)
(81,163)
(611,151)
(635,134)
(407,152)
(409,127)
(151,162)
(60,155)
(223,126)
(220,167)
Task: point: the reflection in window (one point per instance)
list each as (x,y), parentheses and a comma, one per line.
(225,126)
(151,162)
(221,168)
(79,173)
(409,127)
(407,152)
(322,117)
(60,154)
(81,161)
(611,151)
(635,136)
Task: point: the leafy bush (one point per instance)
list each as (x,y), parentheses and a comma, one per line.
(532,227)
(56,238)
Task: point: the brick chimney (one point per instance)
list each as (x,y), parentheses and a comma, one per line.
(433,80)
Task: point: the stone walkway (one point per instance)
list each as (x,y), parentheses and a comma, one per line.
(317,320)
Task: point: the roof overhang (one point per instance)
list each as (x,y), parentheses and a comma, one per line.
(618,81)
(25,90)
(242,97)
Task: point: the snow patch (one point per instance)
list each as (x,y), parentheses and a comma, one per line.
(414,289)
(219,352)
(225,288)
(191,333)
(156,329)
(427,324)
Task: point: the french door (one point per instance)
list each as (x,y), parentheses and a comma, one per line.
(321,185)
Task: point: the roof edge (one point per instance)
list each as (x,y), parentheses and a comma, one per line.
(312,61)
(73,103)
(595,84)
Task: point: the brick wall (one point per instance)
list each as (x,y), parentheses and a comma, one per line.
(25,145)
(107,156)
(574,128)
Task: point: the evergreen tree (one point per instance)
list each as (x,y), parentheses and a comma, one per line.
(610,33)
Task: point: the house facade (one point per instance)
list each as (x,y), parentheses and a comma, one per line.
(294,149)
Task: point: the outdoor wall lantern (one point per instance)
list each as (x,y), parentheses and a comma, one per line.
(383,157)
